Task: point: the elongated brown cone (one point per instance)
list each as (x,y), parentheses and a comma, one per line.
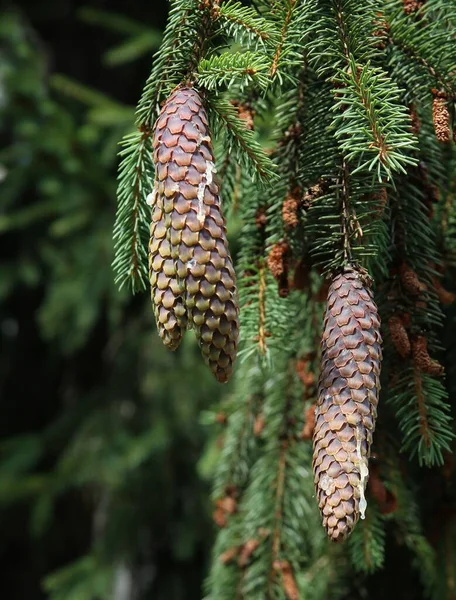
(347,402)
(191,271)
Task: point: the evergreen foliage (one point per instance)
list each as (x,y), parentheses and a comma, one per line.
(350,176)
(325,127)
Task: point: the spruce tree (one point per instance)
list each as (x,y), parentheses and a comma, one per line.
(326,129)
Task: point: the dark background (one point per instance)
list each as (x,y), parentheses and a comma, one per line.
(104,460)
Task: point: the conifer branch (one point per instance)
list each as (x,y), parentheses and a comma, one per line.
(244,23)
(241,140)
(228,69)
(131,230)
(291,5)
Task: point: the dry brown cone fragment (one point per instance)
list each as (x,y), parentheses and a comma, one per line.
(347,402)
(277,259)
(410,281)
(422,359)
(441,119)
(191,272)
(314,192)
(399,336)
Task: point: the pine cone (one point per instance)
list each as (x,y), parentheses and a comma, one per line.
(347,402)
(166,290)
(191,272)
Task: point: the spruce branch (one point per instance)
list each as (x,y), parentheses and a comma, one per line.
(230,68)
(367,543)
(371,125)
(131,230)
(240,139)
(245,25)
(423,416)
(419,51)
(179,53)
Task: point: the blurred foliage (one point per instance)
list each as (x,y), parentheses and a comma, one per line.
(100,497)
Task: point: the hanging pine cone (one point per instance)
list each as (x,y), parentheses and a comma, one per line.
(347,402)
(191,272)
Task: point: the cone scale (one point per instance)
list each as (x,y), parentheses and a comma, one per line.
(192,278)
(347,402)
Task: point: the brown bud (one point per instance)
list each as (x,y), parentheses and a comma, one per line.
(399,336)
(422,359)
(441,118)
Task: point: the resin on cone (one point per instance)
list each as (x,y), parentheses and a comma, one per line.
(191,272)
(347,402)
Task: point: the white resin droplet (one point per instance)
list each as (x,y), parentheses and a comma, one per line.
(210,169)
(363,471)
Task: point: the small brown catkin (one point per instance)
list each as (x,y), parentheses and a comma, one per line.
(277,261)
(399,336)
(410,281)
(290,209)
(347,402)
(441,118)
(412,6)
(415,120)
(191,272)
